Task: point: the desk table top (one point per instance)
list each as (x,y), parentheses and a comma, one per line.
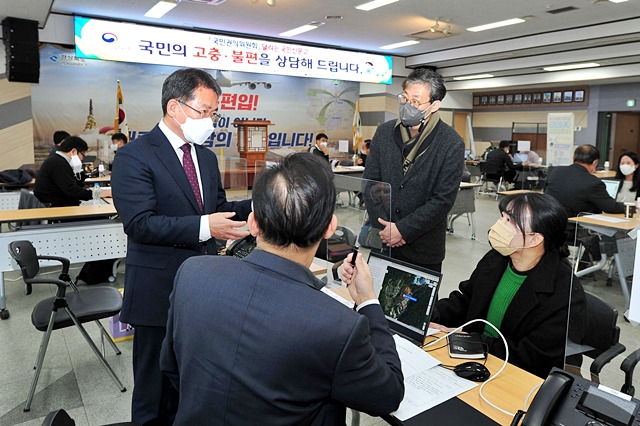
(618,221)
(508,391)
(605,173)
(56,213)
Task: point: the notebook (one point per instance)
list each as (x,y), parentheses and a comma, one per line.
(613,185)
(407,294)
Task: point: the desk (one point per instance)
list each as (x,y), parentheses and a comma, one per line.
(99,179)
(519,191)
(77,241)
(57,213)
(508,391)
(624,256)
(605,173)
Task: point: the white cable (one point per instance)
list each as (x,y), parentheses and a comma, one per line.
(526,400)
(506,360)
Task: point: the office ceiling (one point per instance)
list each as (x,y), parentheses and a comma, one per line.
(554,33)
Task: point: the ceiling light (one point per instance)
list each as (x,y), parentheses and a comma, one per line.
(271,3)
(161,8)
(473,77)
(303,29)
(572,66)
(496,25)
(397,45)
(434,28)
(618,1)
(374,4)
(447,29)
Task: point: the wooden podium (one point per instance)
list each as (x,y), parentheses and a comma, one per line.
(253,140)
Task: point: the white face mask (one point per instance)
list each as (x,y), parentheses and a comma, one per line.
(76,164)
(627,169)
(114,147)
(323,144)
(196,131)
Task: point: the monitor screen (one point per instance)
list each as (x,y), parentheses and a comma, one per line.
(467,153)
(520,157)
(613,185)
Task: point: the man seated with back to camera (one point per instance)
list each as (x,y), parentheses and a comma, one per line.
(523,287)
(254,341)
(60,180)
(501,159)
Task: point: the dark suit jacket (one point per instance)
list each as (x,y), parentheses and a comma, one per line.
(501,161)
(254,342)
(161,218)
(579,191)
(534,324)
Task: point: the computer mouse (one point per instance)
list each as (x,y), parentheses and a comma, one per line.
(472,371)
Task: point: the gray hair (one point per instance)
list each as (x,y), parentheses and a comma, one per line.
(429,78)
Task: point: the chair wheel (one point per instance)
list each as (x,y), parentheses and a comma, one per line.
(4,314)
(112,279)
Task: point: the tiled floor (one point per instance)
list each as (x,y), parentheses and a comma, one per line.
(73,379)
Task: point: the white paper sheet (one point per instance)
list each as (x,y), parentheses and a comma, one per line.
(425,384)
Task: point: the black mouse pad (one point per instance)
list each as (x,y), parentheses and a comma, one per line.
(452,412)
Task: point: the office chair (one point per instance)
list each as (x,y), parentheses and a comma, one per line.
(338,246)
(490,173)
(26,201)
(601,341)
(65,308)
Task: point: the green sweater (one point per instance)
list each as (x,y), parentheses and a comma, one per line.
(507,288)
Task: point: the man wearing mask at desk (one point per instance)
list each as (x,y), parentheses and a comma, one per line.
(422,158)
(320,148)
(577,189)
(169,195)
(60,180)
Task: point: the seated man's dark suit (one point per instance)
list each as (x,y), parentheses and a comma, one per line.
(579,191)
(255,342)
(503,164)
(57,185)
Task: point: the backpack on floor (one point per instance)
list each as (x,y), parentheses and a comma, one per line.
(96,271)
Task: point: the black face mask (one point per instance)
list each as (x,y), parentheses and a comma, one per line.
(412,116)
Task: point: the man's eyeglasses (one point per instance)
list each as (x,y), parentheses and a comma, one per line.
(203,113)
(414,102)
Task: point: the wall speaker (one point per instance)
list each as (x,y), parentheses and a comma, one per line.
(22,49)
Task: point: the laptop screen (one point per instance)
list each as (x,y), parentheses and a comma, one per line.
(612,186)
(406,293)
(520,157)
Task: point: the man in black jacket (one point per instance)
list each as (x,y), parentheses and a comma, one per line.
(501,159)
(577,189)
(60,179)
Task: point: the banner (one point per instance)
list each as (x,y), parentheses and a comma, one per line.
(559,139)
(299,107)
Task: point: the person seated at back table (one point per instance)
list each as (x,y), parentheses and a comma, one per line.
(364,151)
(627,172)
(58,137)
(501,159)
(60,180)
(254,341)
(522,286)
(577,189)
(320,148)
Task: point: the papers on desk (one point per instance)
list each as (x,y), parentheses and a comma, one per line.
(425,383)
(610,219)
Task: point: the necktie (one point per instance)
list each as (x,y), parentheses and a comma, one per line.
(190,170)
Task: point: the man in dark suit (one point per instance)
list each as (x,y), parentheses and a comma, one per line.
(577,189)
(170,198)
(254,341)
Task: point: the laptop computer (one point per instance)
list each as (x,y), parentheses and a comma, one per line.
(407,294)
(520,157)
(613,186)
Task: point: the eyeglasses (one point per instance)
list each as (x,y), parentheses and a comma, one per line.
(203,113)
(414,102)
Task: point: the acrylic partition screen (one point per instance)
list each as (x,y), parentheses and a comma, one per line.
(235,177)
(603,250)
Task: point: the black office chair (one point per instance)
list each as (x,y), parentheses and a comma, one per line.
(601,341)
(61,418)
(338,246)
(65,308)
(490,174)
